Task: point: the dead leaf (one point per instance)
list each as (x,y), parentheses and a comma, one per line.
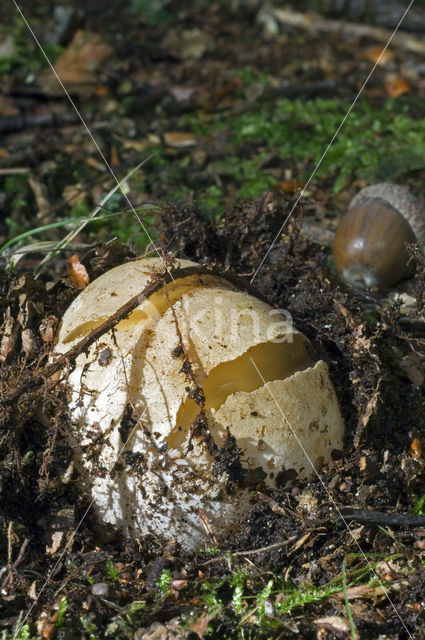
(334,623)
(46,328)
(32,591)
(28,343)
(9,337)
(178,585)
(300,542)
(77,273)
(369,410)
(7,108)
(180,139)
(416,444)
(114,157)
(140,145)
(362,591)
(274,506)
(74,194)
(96,164)
(56,542)
(200,626)
(190,44)
(78,66)
(396,85)
(373,54)
(40,194)
(362,342)
(59,528)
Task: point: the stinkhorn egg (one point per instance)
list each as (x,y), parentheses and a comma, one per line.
(140,453)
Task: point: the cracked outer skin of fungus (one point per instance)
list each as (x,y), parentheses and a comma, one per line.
(138,456)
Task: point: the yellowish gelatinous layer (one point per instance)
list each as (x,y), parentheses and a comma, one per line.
(274,361)
(153,307)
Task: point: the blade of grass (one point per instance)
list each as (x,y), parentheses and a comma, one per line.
(52,225)
(71,235)
(347,604)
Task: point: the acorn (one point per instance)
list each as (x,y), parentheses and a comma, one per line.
(370,243)
(199,396)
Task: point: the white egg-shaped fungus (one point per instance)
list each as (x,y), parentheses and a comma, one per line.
(199,395)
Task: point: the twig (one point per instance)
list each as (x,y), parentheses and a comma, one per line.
(379,517)
(13,171)
(314,22)
(37,377)
(46,119)
(12,567)
(252,552)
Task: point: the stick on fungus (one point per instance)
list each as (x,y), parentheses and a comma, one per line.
(147,441)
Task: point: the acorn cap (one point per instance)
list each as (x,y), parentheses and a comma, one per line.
(401,199)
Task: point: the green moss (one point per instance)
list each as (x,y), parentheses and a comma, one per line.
(26,58)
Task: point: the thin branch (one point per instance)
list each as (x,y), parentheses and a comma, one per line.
(37,377)
(252,552)
(380,517)
(314,23)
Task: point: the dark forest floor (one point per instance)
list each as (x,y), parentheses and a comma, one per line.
(231,109)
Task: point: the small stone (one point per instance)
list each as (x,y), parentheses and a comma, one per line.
(100,589)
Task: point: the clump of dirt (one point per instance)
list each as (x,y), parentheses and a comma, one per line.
(297,531)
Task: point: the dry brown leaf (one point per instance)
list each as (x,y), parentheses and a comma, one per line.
(180,139)
(57,538)
(28,343)
(40,192)
(290,186)
(300,542)
(32,591)
(9,337)
(78,66)
(373,54)
(77,273)
(96,164)
(416,444)
(74,194)
(396,85)
(362,343)
(7,108)
(46,328)
(369,410)
(114,157)
(334,623)
(362,591)
(189,44)
(200,626)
